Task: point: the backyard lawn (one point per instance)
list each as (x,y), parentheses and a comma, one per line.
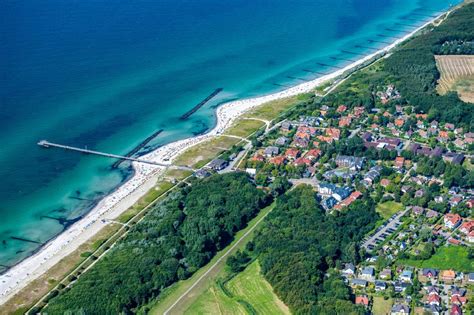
(381,306)
(389,208)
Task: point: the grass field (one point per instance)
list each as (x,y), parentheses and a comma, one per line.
(451,257)
(244,127)
(457,74)
(177,174)
(248,286)
(171,294)
(215,302)
(271,110)
(381,306)
(152,194)
(389,208)
(200,154)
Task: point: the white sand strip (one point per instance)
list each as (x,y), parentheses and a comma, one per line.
(145,177)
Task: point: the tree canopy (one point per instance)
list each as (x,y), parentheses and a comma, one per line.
(299,243)
(176,237)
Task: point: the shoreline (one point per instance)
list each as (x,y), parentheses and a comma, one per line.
(145,177)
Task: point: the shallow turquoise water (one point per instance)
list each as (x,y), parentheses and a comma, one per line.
(89,73)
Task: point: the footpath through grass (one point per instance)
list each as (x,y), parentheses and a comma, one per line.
(171,294)
(247,292)
(446,257)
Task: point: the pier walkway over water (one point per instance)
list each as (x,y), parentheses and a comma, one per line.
(47,144)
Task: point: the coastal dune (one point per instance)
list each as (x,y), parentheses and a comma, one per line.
(144,179)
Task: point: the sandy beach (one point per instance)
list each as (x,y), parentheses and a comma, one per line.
(145,178)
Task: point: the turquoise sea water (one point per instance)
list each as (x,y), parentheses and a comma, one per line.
(107,74)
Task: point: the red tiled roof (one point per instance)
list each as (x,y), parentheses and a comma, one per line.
(292,153)
(362,300)
(467,227)
(399,122)
(278,160)
(458,300)
(313,153)
(454,218)
(302,161)
(341,108)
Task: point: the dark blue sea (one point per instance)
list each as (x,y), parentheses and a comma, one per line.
(107,74)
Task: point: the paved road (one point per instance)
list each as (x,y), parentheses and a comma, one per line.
(393,224)
(231,166)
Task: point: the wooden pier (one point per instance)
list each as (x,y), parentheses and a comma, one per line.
(47,144)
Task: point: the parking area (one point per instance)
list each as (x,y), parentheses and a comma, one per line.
(383,231)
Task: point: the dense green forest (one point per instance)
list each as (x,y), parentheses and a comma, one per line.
(178,236)
(299,243)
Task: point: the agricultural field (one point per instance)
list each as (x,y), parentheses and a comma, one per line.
(246,293)
(457,74)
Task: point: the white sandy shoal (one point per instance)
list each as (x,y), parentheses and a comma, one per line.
(145,177)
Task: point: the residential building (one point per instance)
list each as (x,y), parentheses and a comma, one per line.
(271,151)
(349,269)
(452,220)
(281,141)
(352,162)
(467,227)
(385,274)
(406,275)
(400,309)
(218,164)
(380,285)
(430,273)
(328,203)
(202,173)
(448,275)
(362,300)
(368,273)
(358,283)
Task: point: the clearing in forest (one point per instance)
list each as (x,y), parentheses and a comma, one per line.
(457,74)
(246,293)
